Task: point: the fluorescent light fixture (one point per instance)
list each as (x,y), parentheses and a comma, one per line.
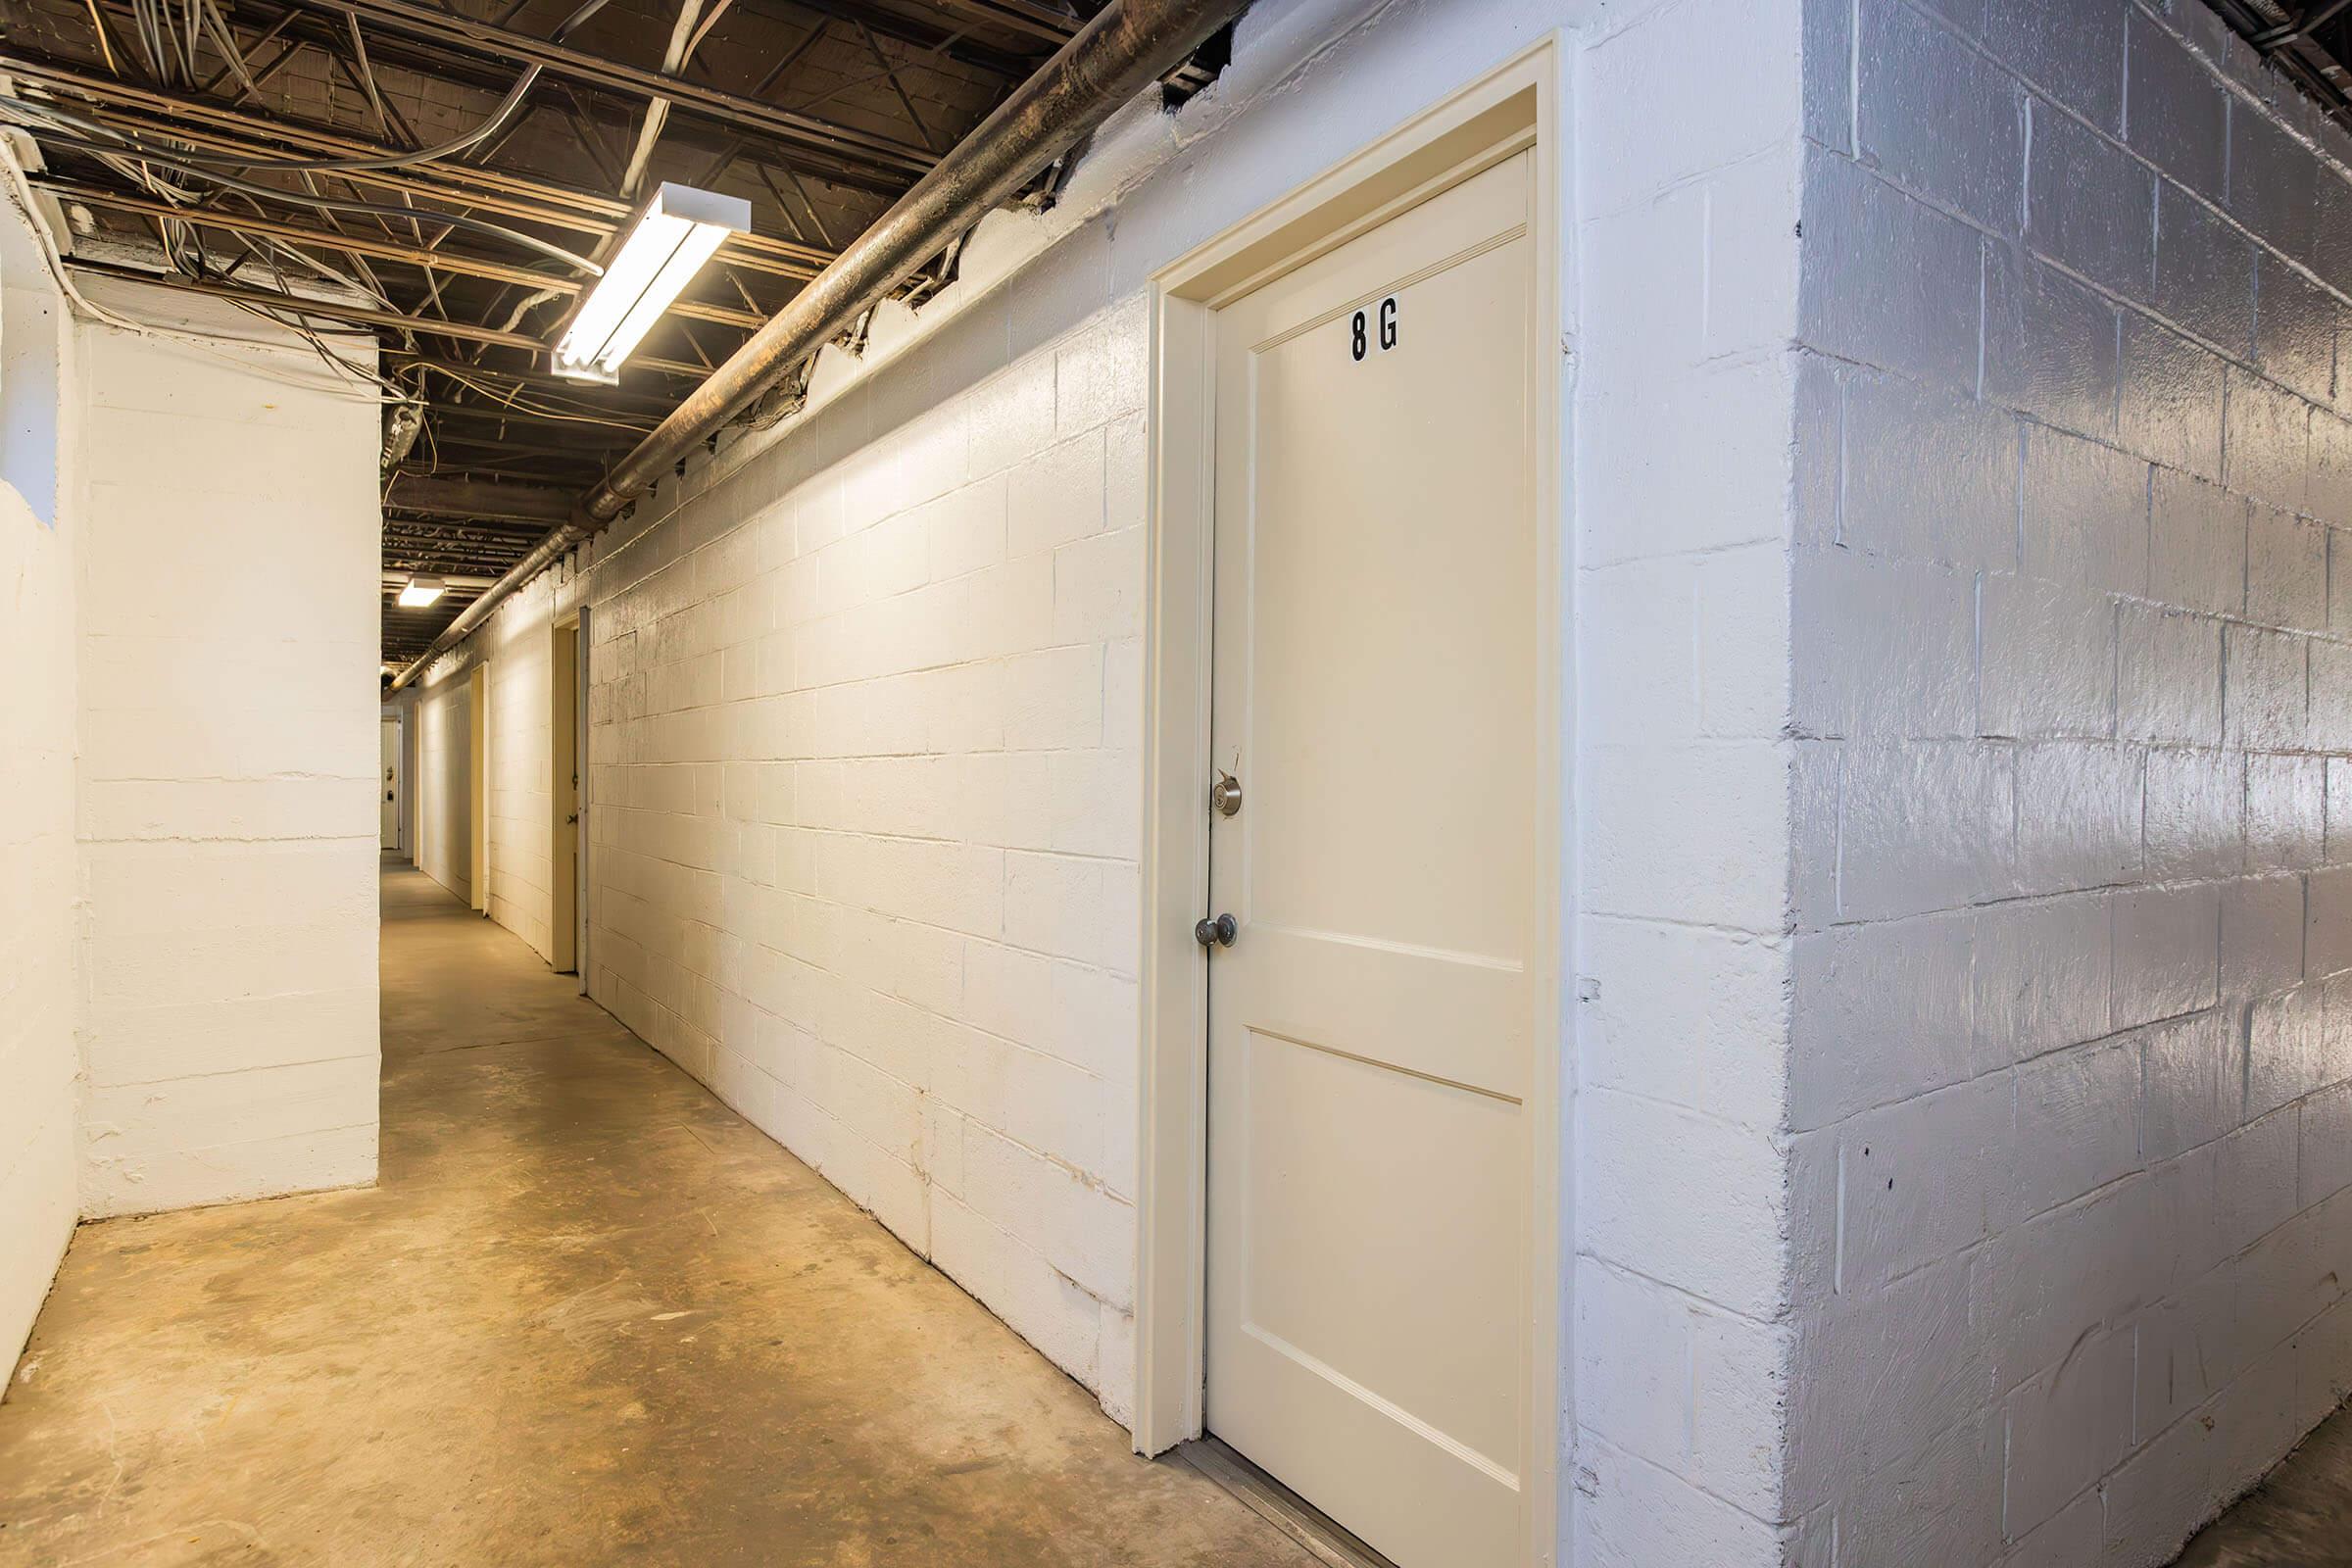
(422,591)
(677,233)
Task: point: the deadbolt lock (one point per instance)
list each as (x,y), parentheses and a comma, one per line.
(1225,794)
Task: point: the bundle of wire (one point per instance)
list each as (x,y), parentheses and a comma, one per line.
(178,174)
(183,174)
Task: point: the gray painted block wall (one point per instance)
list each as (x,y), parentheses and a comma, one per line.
(2070,1032)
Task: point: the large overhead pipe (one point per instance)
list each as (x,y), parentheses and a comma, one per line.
(1128,45)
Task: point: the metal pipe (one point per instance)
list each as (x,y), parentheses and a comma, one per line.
(1122,50)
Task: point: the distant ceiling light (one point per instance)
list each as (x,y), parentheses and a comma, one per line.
(422,591)
(680,229)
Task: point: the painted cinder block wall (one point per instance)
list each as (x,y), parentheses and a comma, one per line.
(515,647)
(187,969)
(442,714)
(866,811)
(2072,881)
(1686,249)
(517,780)
(228,589)
(39,1150)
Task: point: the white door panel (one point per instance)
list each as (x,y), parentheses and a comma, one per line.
(1375,678)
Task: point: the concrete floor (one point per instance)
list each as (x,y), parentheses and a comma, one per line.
(588,1315)
(2299,1517)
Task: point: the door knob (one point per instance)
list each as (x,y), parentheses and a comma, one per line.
(1218,933)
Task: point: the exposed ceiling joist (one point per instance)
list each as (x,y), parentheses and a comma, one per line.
(431,258)
(460,498)
(180,162)
(857,149)
(504,194)
(593,434)
(2310,44)
(362,316)
(952,41)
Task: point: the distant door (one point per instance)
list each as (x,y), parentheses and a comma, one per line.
(1375,690)
(563,793)
(388,829)
(477,786)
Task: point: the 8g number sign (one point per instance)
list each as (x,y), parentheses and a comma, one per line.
(1358,342)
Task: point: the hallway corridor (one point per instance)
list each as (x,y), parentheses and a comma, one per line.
(587,1316)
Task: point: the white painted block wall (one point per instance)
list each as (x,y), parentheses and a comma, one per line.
(39,1153)
(187,966)
(866,801)
(2070,1054)
(442,714)
(1687,257)
(517,783)
(228,598)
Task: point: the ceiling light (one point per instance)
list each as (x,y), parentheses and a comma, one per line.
(678,231)
(422,591)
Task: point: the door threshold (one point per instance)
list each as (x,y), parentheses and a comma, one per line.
(1322,1536)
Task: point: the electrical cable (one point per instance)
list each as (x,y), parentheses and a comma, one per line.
(513,398)
(328,166)
(125,146)
(20,196)
(226,42)
(564,28)
(140,176)
(422,155)
(106,50)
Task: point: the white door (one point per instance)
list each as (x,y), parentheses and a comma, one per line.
(1375,646)
(388,827)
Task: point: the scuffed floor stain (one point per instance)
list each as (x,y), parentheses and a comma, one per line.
(558,1332)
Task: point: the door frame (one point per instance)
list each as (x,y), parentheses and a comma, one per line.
(1511,109)
(477,786)
(412,774)
(398,782)
(584,892)
(562,766)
